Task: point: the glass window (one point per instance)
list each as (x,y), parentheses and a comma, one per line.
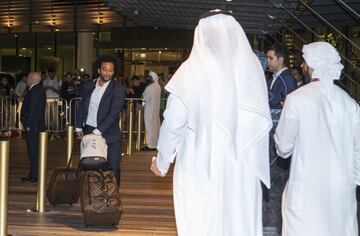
(27,47)
(46,52)
(7,51)
(7,47)
(104,36)
(66,51)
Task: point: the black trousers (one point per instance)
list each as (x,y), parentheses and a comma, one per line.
(32,143)
(114,153)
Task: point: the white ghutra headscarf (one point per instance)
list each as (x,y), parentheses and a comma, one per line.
(223,87)
(154,76)
(323,58)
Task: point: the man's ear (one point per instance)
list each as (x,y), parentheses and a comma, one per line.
(282,60)
(98,70)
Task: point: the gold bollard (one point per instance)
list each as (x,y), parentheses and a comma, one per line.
(129,151)
(69,143)
(143,105)
(41,191)
(4,184)
(138,137)
(145,137)
(120,120)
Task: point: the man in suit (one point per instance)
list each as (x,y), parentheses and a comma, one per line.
(33,120)
(98,112)
(282,82)
(279,86)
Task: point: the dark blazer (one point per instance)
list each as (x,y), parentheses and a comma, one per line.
(284,84)
(33,108)
(111,104)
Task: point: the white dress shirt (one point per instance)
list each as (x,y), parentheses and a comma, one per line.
(94,103)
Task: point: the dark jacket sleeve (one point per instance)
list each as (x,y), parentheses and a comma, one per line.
(275,97)
(81,112)
(37,107)
(291,83)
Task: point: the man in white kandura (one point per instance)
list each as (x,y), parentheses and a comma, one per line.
(216,123)
(320,128)
(152,96)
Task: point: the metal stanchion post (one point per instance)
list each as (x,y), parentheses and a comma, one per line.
(4,184)
(120,120)
(41,191)
(143,105)
(145,137)
(129,151)
(138,138)
(69,143)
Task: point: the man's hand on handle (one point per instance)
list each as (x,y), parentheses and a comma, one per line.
(79,135)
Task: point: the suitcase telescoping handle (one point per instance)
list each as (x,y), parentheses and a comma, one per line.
(70,160)
(69,163)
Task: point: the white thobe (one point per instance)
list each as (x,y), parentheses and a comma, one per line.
(20,88)
(227,203)
(319,198)
(151,96)
(56,83)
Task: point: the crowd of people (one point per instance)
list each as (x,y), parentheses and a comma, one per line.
(67,87)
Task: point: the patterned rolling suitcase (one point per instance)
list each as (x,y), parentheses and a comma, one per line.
(63,186)
(100,198)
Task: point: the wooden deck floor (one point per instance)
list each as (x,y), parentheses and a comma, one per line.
(147,199)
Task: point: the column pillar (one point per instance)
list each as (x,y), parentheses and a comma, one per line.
(85,49)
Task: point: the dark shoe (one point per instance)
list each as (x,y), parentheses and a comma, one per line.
(30,180)
(148,149)
(24,179)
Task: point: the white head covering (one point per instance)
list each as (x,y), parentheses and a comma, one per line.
(154,76)
(223,87)
(323,58)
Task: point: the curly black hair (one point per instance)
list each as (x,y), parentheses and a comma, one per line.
(106,58)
